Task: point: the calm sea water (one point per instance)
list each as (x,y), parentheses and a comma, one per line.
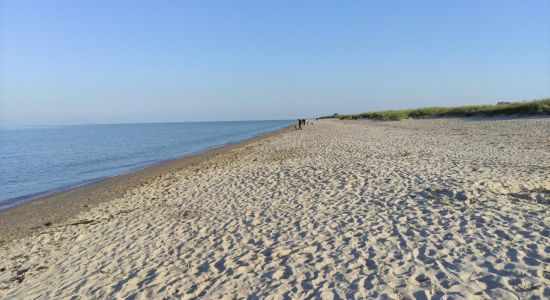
(35,161)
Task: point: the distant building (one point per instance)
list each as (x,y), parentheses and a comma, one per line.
(503,103)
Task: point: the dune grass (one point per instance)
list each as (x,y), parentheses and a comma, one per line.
(536,107)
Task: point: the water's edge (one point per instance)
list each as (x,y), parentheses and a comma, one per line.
(28,199)
(37,215)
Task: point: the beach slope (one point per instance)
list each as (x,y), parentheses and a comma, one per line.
(350,209)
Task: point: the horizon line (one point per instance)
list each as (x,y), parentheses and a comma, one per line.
(4,126)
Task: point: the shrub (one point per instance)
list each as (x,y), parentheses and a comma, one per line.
(536,107)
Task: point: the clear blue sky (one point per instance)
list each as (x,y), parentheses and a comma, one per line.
(149,61)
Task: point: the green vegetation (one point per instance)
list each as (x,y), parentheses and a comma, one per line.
(537,107)
(333,116)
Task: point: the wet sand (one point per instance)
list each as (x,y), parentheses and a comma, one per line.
(352,209)
(31,216)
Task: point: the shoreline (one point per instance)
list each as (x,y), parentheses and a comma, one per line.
(338,209)
(30,215)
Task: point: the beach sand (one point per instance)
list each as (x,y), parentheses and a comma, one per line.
(342,209)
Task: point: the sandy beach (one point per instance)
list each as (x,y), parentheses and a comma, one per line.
(423,209)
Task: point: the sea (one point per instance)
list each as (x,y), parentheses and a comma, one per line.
(36,161)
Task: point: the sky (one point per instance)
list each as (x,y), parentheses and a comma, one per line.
(74,62)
